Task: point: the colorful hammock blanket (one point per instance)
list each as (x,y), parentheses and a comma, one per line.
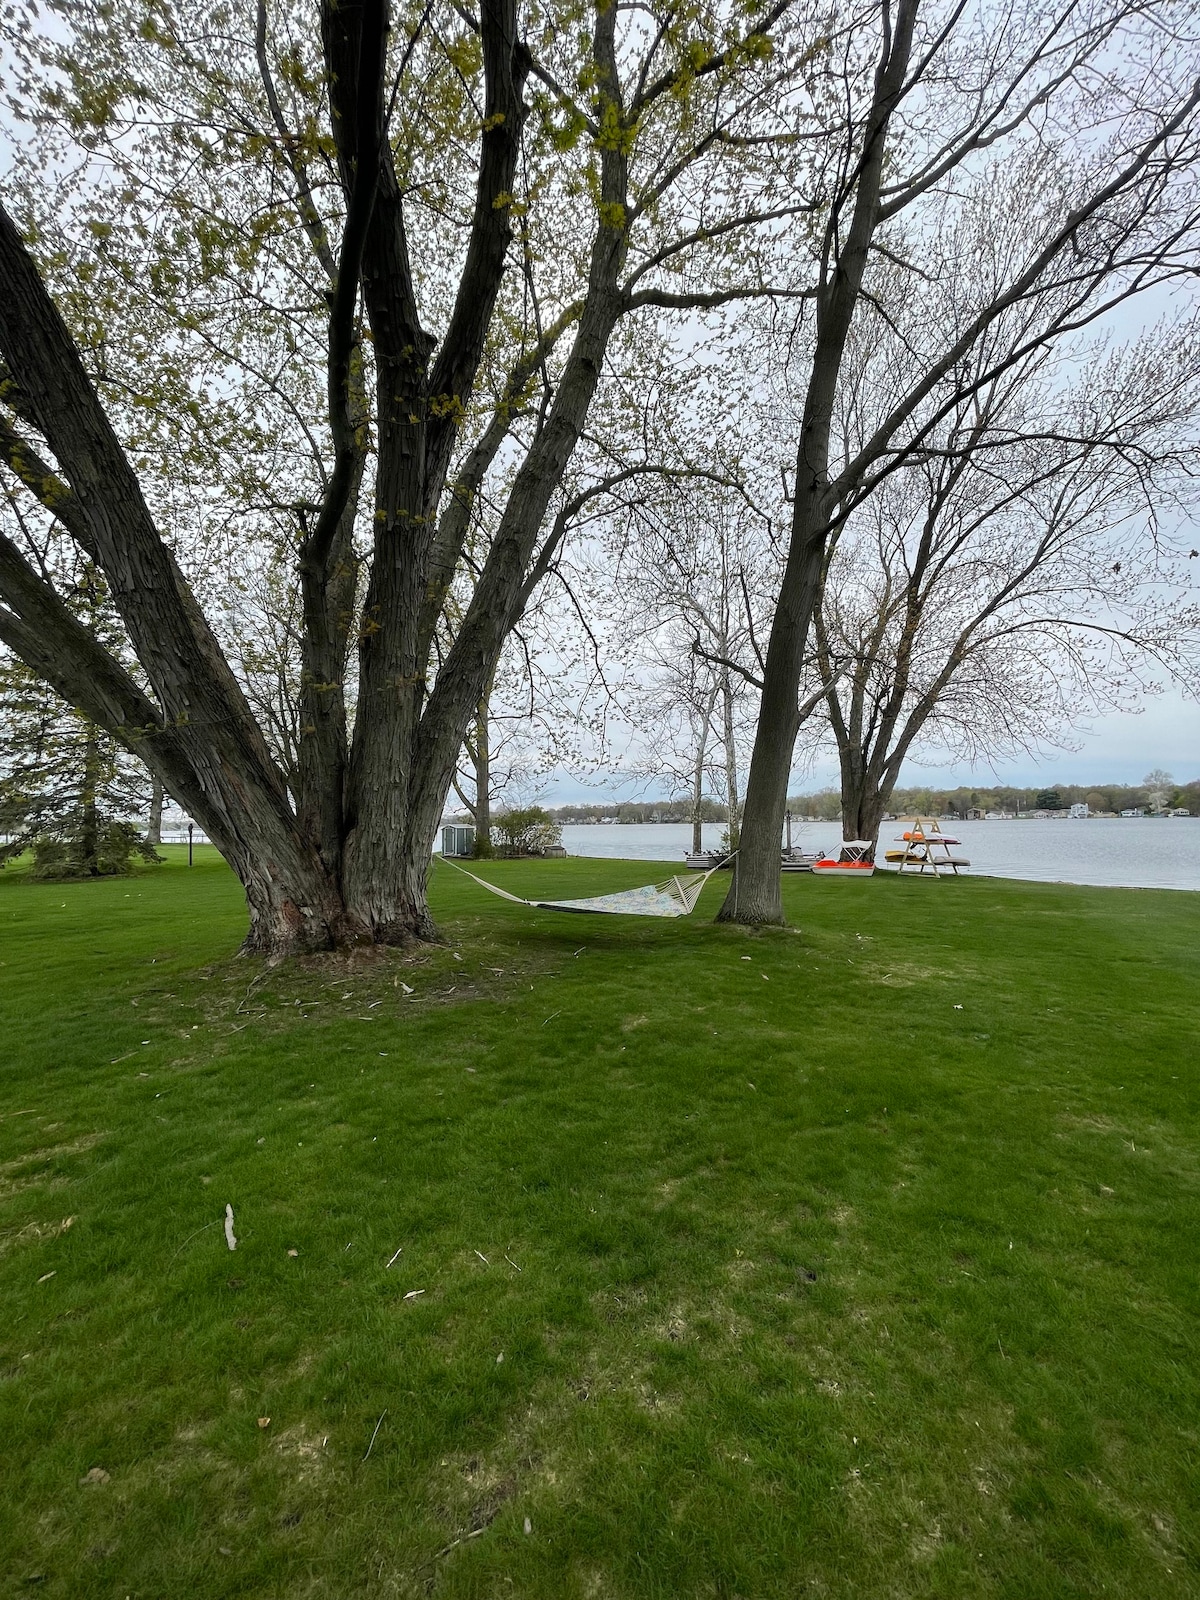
(676,897)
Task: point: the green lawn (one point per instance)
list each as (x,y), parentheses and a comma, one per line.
(858,1260)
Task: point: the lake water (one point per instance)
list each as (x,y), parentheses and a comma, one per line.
(1118,852)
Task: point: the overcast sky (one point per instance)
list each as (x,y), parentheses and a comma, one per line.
(1115,749)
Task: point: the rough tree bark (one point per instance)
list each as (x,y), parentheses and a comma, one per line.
(154,828)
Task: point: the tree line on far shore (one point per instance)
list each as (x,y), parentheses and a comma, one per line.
(826,804)
(962,801)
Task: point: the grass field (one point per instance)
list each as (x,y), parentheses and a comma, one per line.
(856,1259)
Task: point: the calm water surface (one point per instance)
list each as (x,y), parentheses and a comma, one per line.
(1118,852)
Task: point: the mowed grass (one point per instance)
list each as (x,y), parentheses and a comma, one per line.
(854,1259)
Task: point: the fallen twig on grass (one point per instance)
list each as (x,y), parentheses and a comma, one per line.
(230,1238)
(195,1235)
(378,1425)
(253,984)
(474,1534)
(396,1257)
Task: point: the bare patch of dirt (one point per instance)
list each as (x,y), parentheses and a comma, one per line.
(304,1450)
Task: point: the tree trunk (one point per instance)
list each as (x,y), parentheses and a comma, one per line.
(483,778)
(328,600)
(731,773)
(698,776)
(154,831)
(294,909)
(698,803)
(755,896)
(863,804)
(89,821)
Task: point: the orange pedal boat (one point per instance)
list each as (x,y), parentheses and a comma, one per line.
(854,860)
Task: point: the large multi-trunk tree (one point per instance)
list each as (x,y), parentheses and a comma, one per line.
(1090,115)
(645,151)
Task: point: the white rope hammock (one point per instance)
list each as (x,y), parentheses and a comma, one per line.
(676,897)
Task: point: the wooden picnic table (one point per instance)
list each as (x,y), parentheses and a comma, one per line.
(921,852)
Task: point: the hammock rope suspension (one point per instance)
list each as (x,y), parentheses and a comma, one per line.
(675,897)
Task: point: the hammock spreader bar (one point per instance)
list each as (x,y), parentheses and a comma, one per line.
(676,897)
